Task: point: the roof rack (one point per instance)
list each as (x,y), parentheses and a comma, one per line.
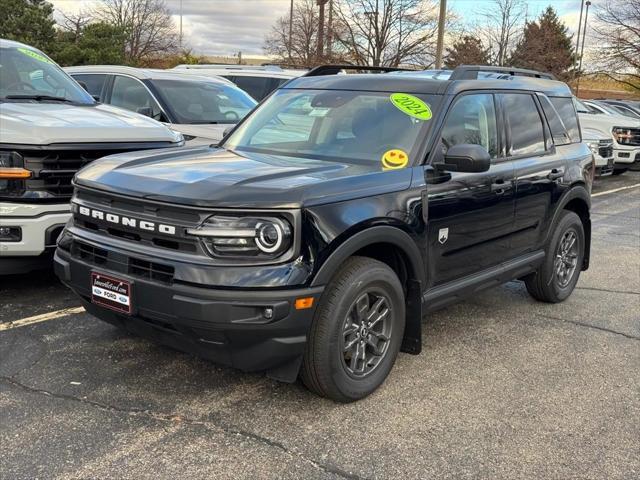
(335,69)
(470,72)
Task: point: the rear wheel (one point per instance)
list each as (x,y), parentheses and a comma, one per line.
(556,278)
(356,333)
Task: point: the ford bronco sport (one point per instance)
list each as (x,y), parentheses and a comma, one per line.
(312,240)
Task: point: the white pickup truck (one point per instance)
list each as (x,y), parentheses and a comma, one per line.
(50,127)
(624,131)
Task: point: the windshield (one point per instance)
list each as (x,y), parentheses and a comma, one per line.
(361,127)
(27,75)
(195,102)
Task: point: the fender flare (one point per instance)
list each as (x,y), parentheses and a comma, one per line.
(369,236)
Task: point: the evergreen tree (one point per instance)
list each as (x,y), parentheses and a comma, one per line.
(468,51)
(97,43)
(545,46)
(28,21)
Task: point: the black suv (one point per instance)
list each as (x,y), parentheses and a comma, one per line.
(314,238)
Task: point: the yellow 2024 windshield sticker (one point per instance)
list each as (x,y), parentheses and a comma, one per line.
(35,55)
(411,105)
(394,159)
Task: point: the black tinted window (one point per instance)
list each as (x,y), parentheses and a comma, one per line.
(93,82)
(558,130)
(527,134)
(472,120)
(567,111)
(257,87)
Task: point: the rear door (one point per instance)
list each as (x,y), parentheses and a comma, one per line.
(93,82)
(470,215)
(539,166)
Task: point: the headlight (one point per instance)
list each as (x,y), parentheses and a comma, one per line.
(594,145)
(230,236)
(12,174)
(622,135)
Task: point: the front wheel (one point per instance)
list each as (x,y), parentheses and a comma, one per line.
(556,278)
(356,332)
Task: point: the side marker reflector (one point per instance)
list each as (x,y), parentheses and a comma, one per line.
(304,303)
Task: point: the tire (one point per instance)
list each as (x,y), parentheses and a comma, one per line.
(328,369)
(547,284)
(619,171)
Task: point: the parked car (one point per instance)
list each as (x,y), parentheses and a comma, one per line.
(50,128)
(343,208)
(256,81)
(605,108)
(625,132)
(630,107)
(200,107)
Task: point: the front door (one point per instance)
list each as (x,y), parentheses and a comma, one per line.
(470,215)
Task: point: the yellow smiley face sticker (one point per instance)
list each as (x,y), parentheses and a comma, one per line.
(394,159)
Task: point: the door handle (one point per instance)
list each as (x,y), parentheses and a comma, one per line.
(555,174)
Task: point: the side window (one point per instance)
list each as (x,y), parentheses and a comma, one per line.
(472,120)
(567,111)
(254,86)
(94,82)
(131,94)
(558,130)
(525,124)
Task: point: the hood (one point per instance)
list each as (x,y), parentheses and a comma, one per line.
(215,177)
(605,123)
(205,134)
(591,134)
(46,123)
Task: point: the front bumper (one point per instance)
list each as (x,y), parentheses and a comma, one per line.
(626,156)
(604,166)
(226,326)
(40,225)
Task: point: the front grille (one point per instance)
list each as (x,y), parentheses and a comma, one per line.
(117,262)
(633,140)
(54,165)
(605,148)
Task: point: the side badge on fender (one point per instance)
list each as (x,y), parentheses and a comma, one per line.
(443,235)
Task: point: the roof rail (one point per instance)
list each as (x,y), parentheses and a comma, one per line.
(335,69)
(470,72)
(204,66)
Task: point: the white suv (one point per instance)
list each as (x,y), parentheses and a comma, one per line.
(199,107)
(50,127)
(255,80)
(624,131)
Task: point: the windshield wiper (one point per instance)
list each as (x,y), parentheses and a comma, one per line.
(38,98)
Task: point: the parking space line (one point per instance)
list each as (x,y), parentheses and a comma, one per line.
(41,318)
(616,190)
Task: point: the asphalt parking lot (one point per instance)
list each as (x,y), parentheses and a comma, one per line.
(505,388)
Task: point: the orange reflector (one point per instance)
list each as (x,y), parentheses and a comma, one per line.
(11,173)
(303,303)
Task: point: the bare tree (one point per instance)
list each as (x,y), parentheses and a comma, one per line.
(386,32)
(500,28)
(618,31)
(304,35)
(150,30)
(74,23)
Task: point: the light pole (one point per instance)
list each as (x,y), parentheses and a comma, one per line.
(180,23)
(584,36)
(290,30)
(440,44)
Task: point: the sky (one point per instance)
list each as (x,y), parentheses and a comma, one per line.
(224,27)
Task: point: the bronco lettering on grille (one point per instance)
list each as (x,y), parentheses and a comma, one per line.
(126,221)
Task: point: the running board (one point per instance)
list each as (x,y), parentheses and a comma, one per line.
(454,291)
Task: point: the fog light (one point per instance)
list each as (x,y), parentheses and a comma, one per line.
(268,313)
(10,234)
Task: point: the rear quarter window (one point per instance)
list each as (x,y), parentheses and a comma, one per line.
(567,111)
(558,129)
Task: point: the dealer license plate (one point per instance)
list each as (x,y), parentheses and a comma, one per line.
(111,292)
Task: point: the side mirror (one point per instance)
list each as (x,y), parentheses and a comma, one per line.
(146,111)
(466,158)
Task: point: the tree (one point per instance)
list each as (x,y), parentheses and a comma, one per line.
(149,29)
(28,21)
(546,46)
(386,32)
(304,34)
(501,27)
(469,50)
(618,31)
(94,44)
